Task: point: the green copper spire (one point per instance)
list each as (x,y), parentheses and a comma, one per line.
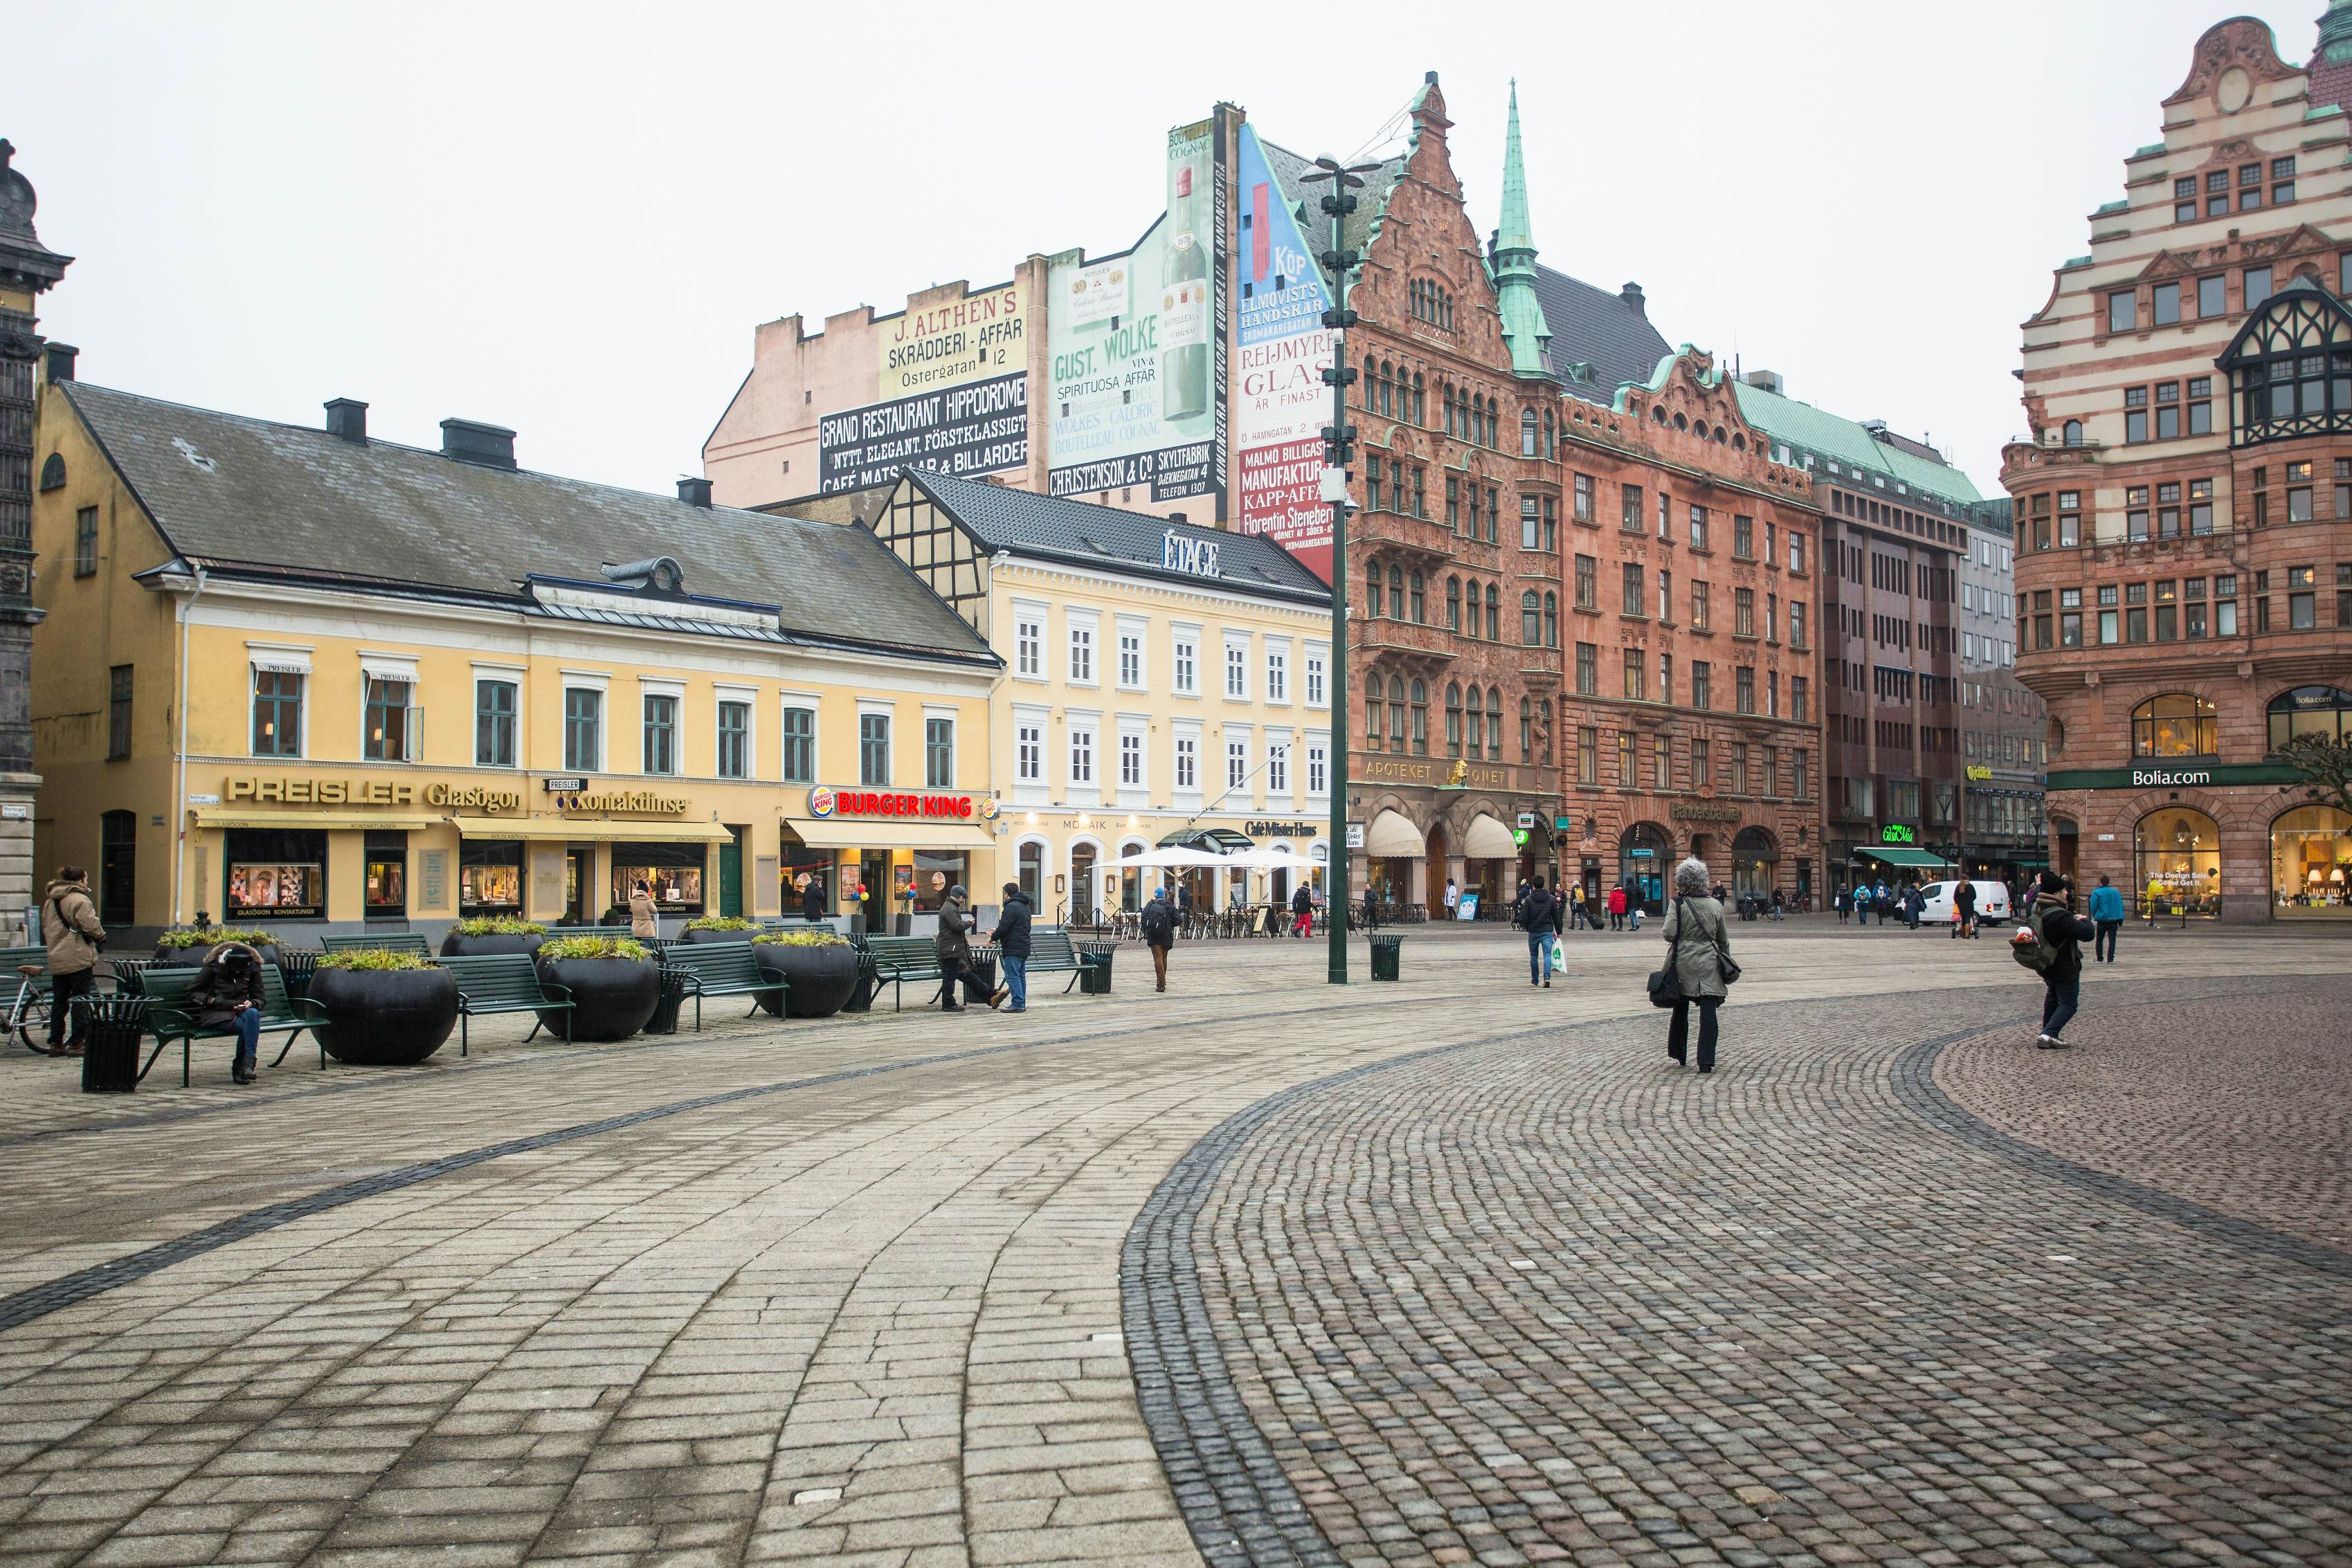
(1515,261)
(2335,32)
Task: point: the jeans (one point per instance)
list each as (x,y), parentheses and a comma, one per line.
(1678,1031)
(247,1025)
(2103,947)
(1539,945)
(63,988)
(2058,1002)
(1016,979)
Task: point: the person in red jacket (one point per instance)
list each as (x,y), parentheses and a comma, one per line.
(1617,907)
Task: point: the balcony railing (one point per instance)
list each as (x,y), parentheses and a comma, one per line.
(1426,534)
(1385,635)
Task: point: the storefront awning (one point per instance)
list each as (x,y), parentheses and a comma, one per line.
(1488,840)
(218,817)
(1393,834)
(828,833)
(1905,857)
(600,832)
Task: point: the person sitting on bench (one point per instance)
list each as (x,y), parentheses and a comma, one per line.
(228,994)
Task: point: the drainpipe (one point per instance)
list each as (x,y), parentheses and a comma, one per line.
(180,786)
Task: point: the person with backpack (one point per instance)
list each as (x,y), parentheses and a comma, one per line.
(1699,948)
(1539,915)
(1160,935)
(70,931)
(2050,944)
(1845,902)
(2107,914)
(1302,912)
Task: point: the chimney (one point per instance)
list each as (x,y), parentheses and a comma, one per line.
(1631,295)
(695,493)
(346,421)
(1430,78)
(1877,428)
(61,362)
(489,446)
(1770,381)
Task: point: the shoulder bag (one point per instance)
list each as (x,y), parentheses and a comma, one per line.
(1666,983)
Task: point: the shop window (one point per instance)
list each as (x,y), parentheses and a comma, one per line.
(584,729)
(385,861)
(2324,711)
(2311,863)
(734,740)
(673,873)
(489,877)
(2176,864)
(494,723)
(274,873)
(874,748)
(2175,724)
(800,746)
(938,753)
(277,713)
(1030,862)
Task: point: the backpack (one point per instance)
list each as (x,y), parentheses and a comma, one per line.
(1158,924)
(2031,948)
(1535,911)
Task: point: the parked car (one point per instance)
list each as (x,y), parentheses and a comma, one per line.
(1992,902)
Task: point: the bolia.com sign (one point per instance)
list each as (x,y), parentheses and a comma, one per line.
(1196,557)
(2144,777)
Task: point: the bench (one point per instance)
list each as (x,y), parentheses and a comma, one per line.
(898,960)
(493,983)
(721,969)
(1051,952)
(390,941)
(171,1018)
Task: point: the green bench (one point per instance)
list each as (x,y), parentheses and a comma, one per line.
(721,969)
(493,983)
(1051,952)
(898,959)
(390,941)
(171,1018)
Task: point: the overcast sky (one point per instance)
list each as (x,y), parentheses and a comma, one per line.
(569,218)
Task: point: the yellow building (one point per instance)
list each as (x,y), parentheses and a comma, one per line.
(302,679)
(1161,680)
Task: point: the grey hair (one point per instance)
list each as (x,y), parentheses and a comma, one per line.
(1690,877)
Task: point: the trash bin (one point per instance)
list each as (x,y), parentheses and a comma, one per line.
(979,977)
(111,1026)
(1384,957)
(295,966)
(673,992)
(869,976)
(1094,971)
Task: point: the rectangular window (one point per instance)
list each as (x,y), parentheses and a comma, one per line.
(584,729)
(2135,414)
(1743,537)
(1130,761)
(1082,655)
(1700,606)
(1188,762)
(1635,666)
(1278,673)
(86,543)
(1633,588)
(1665,516)
(2167,613)
(1588,571)
(1238,764)
(118,712)
(661,733)
(1740,768)
(1277,770)
(1588,758)
(1700,676)
(2210,301)
(1801,775)
(874,748)
(1029,648)
(1796,623)
(1314,697)
(383,720)
(1797,554)
(1743,612)
(1454,503)
(1531,523)
(2301,598)
(1082,756)
(2122,315)
(1130,660)
(800,746)
(1702,764)
(494,723)
(2165,304)
(1588,670)
(2258,287)
(1237,669)
(1630,519)
(1029,753)
(1799,702)
(734,740)
(1583,501)
(938,753)
(1744,688)
(1187,666)
(1698,527)
(2225,605)
(1665,677)
(2184,200)
(1319,777)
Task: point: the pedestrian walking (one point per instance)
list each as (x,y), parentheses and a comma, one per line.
(1452,899)
(1535,914)
(1302,912)
(1845,905)
(1700,950)
(228,994)
(812,899)
(1779,911)
(1617,907)
(2107,914)
(1915,905)
(1576,906)
(1882,903)
(1964,910)
(70,931)
(951,944)
(1012,939)
(1159,935)
(1372,911)
(644,920)
(2051,944)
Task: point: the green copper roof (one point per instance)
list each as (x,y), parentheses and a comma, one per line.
(1850,445)
(2335,32)
(1524,326)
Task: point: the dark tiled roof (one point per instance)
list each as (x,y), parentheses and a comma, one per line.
(1080,531)
(1314,224)
(1596,327)
(229,491)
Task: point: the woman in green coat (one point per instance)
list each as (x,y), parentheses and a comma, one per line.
(1701,949)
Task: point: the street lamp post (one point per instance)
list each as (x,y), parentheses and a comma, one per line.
(1339,449)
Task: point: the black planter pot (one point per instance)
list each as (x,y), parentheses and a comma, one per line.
(611,998)
(172,957)
(456,946)
(819,979)
(384,1017)
(706,936)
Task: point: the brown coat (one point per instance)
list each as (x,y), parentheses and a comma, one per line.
(644,920)
(69,928)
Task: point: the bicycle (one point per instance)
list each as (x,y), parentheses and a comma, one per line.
(28,1009)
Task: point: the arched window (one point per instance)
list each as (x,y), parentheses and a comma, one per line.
(53,473)
(1373,585)
(1454,604)
(1420,719)
(1473,627)
(1396,591)
(1447,398)
(1494,723)
(1452,718)
(1551,620)
(1545,732)
(1718,435)
(1494,614)
(1739,442)
(1681,424)
(1420,601)
(1420,403)
(1527,730)
(2175,724)
(1530,619)
(1551,438)
(2073,432)
(1527,447)
(1396,713)
(1477,743)
(2290,367)
(2311,710)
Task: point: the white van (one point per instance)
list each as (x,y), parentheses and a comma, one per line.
(1992,902)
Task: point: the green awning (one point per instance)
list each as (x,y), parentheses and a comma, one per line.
(1905,857)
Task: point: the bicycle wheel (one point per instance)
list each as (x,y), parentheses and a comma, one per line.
(28,1019)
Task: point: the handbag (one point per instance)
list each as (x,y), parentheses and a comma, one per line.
(1666,983)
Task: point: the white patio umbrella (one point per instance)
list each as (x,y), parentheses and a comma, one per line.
(1166,855)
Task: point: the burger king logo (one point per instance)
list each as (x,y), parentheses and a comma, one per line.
(988,809)
(821,802)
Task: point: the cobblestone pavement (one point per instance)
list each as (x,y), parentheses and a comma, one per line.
(847,1292)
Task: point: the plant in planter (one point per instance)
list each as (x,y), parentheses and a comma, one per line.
(503,933)
(612,981)
(187,948)
(382,1009)
(720,928)
(819,969)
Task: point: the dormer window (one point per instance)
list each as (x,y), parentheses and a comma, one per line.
(2290,369)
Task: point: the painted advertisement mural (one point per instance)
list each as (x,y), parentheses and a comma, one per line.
(954,388)
(1137,345)
(1280,404)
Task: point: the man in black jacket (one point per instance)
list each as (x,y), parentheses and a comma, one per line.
(1012,939)
(2054,918)
(812,899)
(1159,935)
(1539,916)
